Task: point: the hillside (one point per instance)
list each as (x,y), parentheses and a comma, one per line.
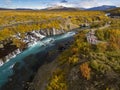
(24,21)
(85,65)
(114,12)
(17,27)
(102,8)
(61,8)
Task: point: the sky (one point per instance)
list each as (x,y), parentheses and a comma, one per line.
(40,4)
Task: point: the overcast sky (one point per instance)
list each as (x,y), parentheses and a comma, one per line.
(38,4)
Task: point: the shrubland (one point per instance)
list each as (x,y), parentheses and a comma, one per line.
(14,22)
(93,66)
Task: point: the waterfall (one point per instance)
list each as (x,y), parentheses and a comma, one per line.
(1,62)
(31,38)
(9,56)
(38,34)
(54,33)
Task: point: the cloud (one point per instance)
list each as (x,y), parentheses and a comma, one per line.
(94,3)
(65,4)
(87,3)
(8,1)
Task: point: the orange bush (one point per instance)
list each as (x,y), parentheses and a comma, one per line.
(74,50)
(85,70)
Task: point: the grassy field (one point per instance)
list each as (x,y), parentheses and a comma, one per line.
(13,22)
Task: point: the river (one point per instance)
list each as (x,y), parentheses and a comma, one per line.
(7,69)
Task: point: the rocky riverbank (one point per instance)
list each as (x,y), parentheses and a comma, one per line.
(9,51)
(31,65)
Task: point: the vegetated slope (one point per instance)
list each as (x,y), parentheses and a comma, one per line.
(13,22)
(114,12)
(23,28)
(89,66)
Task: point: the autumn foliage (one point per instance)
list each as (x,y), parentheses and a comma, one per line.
(85,70)
(18,43)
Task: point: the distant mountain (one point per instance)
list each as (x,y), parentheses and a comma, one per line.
(23,9)
(104,7)
(5,9)
(62,8)
(16,9)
